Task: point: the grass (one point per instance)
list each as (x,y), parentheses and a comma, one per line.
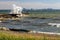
(8,35)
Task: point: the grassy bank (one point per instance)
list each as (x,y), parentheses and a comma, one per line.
(8,35)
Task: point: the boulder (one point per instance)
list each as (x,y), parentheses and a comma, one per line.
(4,28)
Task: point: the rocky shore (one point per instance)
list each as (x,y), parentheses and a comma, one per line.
(16,30)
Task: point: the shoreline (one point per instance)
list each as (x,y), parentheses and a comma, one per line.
(27,31)
(12,35)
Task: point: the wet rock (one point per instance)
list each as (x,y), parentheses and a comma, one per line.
(20,30)
(43,18)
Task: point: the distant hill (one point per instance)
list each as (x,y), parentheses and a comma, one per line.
(43,10)
(33,11)
(4,11)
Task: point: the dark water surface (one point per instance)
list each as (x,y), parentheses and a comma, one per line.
(32,24)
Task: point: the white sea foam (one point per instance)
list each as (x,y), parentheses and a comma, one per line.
(54,24)
(44,32)
(16,10)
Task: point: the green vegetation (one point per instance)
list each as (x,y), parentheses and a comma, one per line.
(45,15)
(8,35)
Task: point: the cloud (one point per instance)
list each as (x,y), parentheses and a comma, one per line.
(9,0)
(41,5)
(35,5)
(6,5)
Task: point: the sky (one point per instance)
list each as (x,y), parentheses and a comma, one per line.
(35,4)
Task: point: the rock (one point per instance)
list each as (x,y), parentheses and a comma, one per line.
(20,30)
(43,18)
(4,28)
(33,31)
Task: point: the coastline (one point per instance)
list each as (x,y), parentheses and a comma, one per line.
(27,31)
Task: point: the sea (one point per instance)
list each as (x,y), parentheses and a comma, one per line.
(28,23)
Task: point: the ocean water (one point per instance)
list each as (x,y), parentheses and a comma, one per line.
(36,24)
(6,11)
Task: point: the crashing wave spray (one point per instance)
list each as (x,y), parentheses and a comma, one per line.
(17,10)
